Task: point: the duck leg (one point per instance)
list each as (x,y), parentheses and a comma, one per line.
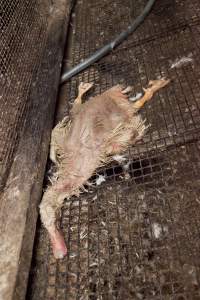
(154,86)
(82,89)
(51,202)
(134,129)
(59,132)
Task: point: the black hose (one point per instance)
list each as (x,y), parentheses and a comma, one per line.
(110,46)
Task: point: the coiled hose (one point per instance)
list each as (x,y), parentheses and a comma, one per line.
(108,47)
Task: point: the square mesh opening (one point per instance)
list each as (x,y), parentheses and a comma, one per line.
(136,235)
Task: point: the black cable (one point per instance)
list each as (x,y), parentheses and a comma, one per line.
(110,46)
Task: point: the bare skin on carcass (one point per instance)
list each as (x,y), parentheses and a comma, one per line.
(103,126)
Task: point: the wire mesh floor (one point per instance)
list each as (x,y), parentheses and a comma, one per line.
(137,234)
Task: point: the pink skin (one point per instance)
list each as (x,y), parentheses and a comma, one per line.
(85,160)
(115,148)
(57,242)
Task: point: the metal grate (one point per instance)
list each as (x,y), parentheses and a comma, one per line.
(135,236)
(32,34)
(129,241)
(22,23)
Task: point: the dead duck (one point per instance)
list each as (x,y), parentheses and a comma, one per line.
(97,129)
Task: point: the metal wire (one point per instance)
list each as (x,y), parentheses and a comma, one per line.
(17,66)
(135,236)
(110,46)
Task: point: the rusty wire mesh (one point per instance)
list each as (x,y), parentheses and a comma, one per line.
(135,236)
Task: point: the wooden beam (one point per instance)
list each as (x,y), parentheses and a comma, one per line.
(23,188)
